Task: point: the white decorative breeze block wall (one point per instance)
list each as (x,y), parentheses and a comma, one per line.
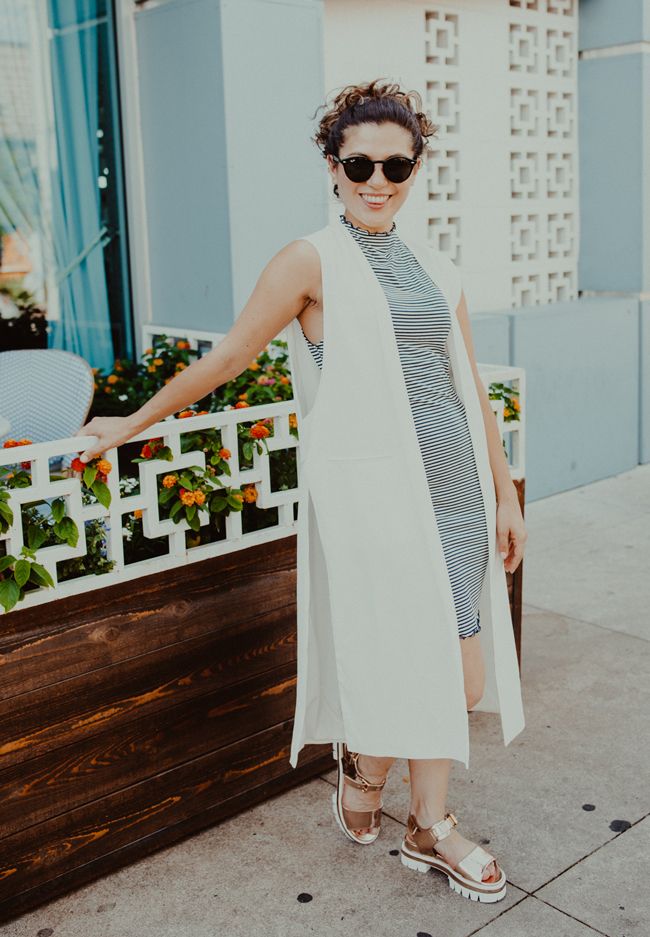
(499,191)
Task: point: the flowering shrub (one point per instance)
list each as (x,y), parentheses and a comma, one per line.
(47,524)
(498,391)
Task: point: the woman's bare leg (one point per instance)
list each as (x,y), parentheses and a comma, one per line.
(430,776)
(375,769)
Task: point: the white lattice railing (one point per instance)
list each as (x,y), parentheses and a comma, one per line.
(44,488)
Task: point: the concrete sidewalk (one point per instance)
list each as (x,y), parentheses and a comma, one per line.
(565,807)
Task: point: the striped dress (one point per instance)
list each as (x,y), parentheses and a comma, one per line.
(421,321)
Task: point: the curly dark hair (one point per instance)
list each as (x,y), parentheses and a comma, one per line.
(379,101)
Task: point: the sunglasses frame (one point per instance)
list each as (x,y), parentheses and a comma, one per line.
(412,160)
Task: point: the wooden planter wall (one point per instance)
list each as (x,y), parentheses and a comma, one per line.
(135,715)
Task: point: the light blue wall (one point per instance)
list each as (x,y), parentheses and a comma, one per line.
(186,177)
(227,90)
(583,392)
(612,22)
(613,176)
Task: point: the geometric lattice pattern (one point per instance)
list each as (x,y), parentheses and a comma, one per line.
(442,99)
(543,215)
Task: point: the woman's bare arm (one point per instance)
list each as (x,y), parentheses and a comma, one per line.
(285,286)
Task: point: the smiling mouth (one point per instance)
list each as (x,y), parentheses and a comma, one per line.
(374,199)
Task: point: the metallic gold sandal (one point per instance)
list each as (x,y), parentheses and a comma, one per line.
(352,820)
(418,852)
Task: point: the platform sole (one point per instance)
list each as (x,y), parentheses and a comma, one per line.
(466,890)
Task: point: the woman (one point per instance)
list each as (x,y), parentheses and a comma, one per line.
(373,137)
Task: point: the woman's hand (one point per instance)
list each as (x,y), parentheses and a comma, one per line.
(511,532)
(110,431)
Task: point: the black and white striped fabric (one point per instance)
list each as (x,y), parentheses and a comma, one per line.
(422,321)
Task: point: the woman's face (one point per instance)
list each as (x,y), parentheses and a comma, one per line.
(376,141)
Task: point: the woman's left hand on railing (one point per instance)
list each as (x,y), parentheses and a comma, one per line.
(109,430)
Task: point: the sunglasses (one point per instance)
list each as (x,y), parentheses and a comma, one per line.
(361,168)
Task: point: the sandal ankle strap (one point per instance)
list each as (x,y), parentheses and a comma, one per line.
(354,776)
(439,830)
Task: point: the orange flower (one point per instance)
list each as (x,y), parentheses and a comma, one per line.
(170,480)
(148,351)
(95,386)
(201,412)
(146,452)
(104,466)
(284,379)
(515,405)
(112,379)
(199,497)
(225,453)
(187,498)
(293,420)
(151,367)
(185,413)
(242,396)
(158,361)
(77,465)
(240,404)
(250,493)
(117,366)
(137,512)
(181,343)
(180,366)
(259,431)
(254,366)
(24,442)
(108,390)
(10,443)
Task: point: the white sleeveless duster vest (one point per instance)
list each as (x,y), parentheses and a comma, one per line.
(379,659)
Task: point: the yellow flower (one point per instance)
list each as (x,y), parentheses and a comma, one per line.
(104,466)
(250,493)
(199,497)
(170,480)
(187,498)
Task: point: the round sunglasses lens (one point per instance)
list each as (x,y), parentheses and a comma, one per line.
(398,169)
(358,168)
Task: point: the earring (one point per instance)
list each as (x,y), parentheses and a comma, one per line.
(336,190)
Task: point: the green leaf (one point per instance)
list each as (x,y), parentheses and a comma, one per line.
(41,574)
(6,561)
(21,572)
(67,530)
(90,473)
(166,495)
(187,482)
(35,536)
(176,508)
(194,523)
(9,594)
(191,511)
(217,504)
(102,493)
(58,508)
(6,512)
